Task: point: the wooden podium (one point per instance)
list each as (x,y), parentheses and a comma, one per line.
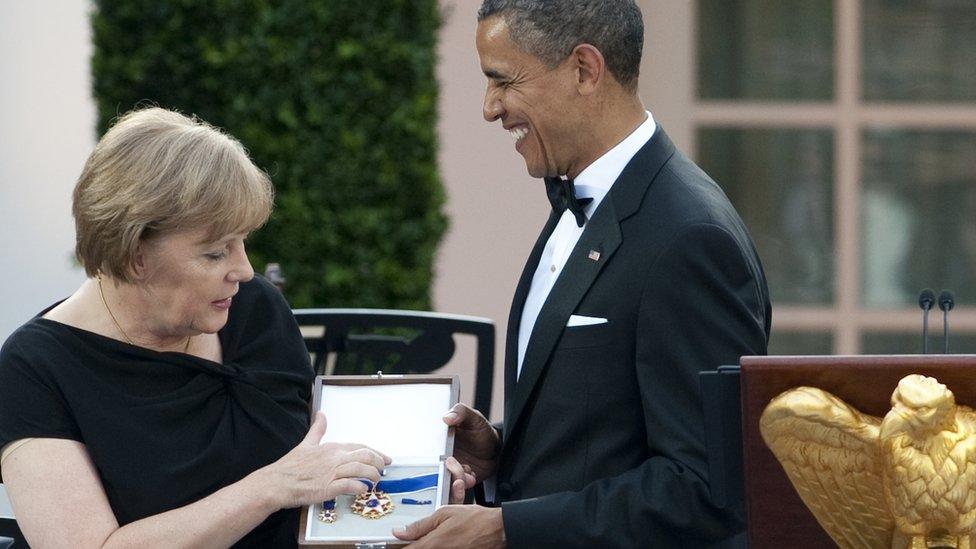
(776,516)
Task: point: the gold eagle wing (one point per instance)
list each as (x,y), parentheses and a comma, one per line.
(832,455)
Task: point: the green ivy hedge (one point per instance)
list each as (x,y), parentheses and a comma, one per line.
(337,100)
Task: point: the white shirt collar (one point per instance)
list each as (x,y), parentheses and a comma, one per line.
(595,181)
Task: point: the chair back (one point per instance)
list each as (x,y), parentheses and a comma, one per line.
(10,534)
(366,341)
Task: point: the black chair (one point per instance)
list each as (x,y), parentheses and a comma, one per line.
(10,534)
(366,341)
(723,434)
(722,410)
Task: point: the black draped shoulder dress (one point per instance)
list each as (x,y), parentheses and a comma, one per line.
(167,429)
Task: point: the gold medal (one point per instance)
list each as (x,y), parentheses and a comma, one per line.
(328,513)
(372,504)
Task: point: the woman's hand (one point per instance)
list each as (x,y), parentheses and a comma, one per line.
(314,472)
(49,470)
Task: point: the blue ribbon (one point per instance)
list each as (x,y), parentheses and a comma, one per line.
(398,486)
(405,485)
(410,501)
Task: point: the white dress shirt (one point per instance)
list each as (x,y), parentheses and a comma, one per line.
(593,182)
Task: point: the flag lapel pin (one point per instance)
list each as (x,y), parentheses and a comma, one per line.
(594,255)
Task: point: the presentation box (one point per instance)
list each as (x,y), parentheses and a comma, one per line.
(401,416)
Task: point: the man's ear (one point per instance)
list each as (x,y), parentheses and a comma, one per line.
(591,68)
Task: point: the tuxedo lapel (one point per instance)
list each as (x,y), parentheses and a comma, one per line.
(518,303)
(602,235)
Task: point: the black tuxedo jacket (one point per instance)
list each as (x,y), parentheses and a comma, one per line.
(603,439)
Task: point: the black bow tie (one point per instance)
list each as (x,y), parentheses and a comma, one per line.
(562,196)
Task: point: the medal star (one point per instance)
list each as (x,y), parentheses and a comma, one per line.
(372,505)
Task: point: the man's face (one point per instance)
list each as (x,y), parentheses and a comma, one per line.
(535,104)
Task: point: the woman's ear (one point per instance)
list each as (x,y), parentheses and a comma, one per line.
(590,68)
(139,264)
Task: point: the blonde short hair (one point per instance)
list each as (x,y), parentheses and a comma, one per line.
(155,172)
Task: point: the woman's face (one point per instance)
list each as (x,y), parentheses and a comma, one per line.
(189,283)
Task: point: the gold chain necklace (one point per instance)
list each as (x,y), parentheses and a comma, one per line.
(118,326)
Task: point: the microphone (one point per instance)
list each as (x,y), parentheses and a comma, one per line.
(925,300)
(946,303)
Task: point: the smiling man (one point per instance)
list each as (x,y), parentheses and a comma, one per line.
(643,276)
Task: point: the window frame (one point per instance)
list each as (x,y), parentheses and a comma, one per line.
(848,115)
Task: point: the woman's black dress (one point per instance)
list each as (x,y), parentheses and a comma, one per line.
(167,429)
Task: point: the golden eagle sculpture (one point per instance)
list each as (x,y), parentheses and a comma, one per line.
(905,481)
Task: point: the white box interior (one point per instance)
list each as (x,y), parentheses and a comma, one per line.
(404,421)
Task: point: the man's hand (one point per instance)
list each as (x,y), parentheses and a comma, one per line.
(476,442)
(470,526)
(462,479)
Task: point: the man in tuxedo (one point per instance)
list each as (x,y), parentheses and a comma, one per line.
(643,276)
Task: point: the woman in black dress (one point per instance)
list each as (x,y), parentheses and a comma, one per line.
(165,402)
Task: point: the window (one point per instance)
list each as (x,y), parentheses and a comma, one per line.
(845,134)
